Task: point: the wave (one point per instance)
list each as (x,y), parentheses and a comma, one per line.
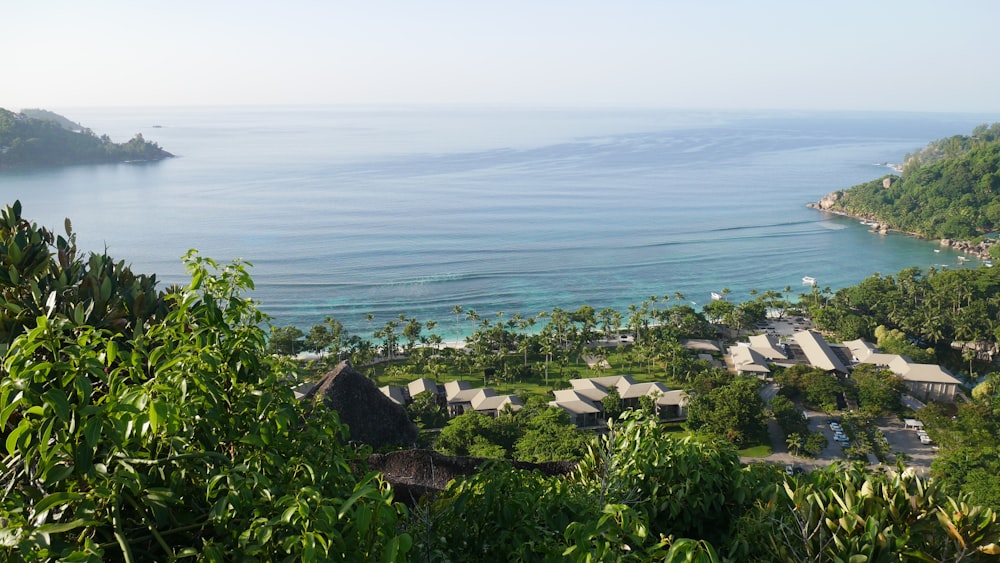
(762,226)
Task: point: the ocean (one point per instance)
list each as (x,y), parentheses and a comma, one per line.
(346,212)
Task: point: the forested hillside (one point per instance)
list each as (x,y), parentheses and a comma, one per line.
(142,424)
(28,141)
(951,189)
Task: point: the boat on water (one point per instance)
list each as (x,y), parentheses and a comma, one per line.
(717,296)
(808,280)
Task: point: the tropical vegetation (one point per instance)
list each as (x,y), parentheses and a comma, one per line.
(947,190)
(144,424)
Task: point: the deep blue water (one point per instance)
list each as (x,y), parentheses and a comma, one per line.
(349,211)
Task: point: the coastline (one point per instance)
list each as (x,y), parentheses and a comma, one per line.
(979,250)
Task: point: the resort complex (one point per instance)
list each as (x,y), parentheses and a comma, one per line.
(924,382)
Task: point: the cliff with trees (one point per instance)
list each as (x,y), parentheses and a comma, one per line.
(948,190)
(37,138)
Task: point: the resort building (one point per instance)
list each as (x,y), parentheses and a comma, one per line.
(769,347)
(462,397)
(818,353)
(457,396)
(582,411)
(926,382)
(423,385)
(583,400)
(747,361)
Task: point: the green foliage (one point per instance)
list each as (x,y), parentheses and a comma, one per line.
(894,341)
(426,411)
(181,438)
(475,432)
(549,436)
(29,141)
(948,190)
(850,515)
(612,404)
(35,113)
(879,390)
(499,515)
(734,411)
(630,491)
(41,275)
(969,456)
(683,488)
(812,385)
(286,341)
(536,433)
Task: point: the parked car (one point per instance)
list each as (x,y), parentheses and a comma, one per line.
(789,470)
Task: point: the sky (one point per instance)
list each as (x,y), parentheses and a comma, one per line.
(911,55)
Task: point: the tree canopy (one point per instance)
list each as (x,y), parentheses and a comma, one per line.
(948,190)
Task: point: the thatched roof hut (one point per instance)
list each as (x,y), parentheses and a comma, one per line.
(371,417)
(414,473)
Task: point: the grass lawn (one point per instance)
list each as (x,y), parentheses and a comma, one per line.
(762,450)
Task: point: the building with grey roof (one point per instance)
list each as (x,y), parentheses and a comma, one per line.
(818,353)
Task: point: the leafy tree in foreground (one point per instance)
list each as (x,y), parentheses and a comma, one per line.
(549,436)
(734,411)
(536,433)
(612,404)
(426,412)
(183,440)
(848,514)
(879,390)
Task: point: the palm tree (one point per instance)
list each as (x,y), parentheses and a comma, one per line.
(472,317)
(795,443)
(457,310)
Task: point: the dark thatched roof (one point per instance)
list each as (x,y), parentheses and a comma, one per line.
(370,416)
(415,473)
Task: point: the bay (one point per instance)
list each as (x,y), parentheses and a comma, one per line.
(349,211)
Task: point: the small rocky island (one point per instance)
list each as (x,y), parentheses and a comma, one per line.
(40,138)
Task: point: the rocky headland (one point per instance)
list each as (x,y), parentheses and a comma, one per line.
(828,204)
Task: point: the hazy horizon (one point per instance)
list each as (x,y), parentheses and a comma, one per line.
(726,55)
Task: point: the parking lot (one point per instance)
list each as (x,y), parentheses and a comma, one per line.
(901,440)
(906,441)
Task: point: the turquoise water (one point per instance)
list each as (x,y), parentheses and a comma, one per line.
(352,211)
